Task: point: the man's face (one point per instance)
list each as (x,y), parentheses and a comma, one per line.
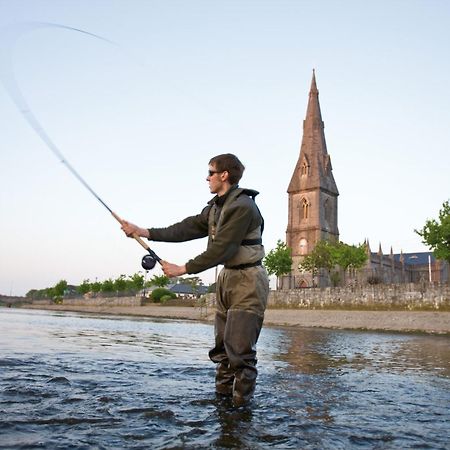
(217,180)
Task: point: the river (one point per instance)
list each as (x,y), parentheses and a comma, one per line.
(80,381)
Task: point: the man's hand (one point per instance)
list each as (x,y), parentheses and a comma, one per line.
(172,270)
(131,229)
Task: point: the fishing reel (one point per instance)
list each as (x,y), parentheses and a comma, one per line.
(148,262)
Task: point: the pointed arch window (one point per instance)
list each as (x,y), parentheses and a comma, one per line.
(303,246)
(304,168)
(305,208)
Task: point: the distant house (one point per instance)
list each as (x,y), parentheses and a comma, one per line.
(187,291)
(71,290)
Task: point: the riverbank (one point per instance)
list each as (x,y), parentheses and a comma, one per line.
(401,321)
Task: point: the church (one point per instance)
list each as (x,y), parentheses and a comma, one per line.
(313,216)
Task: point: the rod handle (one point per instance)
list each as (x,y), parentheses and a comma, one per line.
(134,235)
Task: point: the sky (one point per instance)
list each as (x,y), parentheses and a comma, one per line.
(140,116)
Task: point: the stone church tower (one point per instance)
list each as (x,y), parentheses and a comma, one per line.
(312,194)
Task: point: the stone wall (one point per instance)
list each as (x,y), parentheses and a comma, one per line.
(396,296)
(98,301)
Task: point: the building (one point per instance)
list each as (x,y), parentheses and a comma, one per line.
(313,216)
(419,267)
(313,194)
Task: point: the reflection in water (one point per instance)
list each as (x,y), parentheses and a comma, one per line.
(70,381)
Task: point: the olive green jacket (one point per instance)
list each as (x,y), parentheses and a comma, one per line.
(228,221)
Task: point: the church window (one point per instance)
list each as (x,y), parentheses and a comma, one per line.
(305,208)
(303,246)
(304,168)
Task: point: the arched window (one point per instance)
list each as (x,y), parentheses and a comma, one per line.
(305,208)
(304,170)
(303,246)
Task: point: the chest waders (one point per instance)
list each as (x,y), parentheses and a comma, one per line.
(241,297)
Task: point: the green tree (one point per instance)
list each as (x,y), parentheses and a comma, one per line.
(436,233)
(322,257)
(348,256)
(279,261)
(84,287)
(136,281)
(59,288)
(159,280)
(327,255)
(120,283)
(96,286)
(108,286)
(32,293)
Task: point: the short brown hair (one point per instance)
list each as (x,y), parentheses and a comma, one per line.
(231,164)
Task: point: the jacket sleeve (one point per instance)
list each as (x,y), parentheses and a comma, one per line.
(233,229)
(193,227)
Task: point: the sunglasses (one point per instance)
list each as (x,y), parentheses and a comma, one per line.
(212,172)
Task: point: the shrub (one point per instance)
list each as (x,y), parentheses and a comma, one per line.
(166,297)
(158,293)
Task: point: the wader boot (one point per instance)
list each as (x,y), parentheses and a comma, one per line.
(241,334)
(224,374)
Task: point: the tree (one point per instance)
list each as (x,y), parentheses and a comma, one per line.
(136,281)
(120,283)
(322,257)
(59,288)
(327,255)
(436,233)
(84,287)
(279,261)
(159,280)
(349,256)
(96,286)
(108,286)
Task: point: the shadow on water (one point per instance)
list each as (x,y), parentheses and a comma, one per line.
(83,382)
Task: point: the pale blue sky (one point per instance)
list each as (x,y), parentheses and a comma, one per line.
(191,79)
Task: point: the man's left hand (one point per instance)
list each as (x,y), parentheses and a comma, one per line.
(172,270)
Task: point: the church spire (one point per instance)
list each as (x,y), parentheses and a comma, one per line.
(313,169)
(313,114)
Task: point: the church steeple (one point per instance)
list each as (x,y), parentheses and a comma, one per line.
(312,190)
(314,160)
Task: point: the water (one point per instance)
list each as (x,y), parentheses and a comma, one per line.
(70,381)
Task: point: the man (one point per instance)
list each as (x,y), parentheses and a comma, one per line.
(234,225)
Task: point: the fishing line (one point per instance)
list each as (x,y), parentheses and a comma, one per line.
(8,37)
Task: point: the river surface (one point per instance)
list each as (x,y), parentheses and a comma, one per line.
(74,381)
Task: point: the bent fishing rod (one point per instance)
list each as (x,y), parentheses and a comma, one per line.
(148,261)
(9,36)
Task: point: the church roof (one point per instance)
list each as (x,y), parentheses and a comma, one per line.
(411,259)
(416,259)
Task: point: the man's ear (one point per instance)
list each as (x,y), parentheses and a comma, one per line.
(224,175)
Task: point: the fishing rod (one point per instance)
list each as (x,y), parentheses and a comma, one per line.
(148,261)
(9,36)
